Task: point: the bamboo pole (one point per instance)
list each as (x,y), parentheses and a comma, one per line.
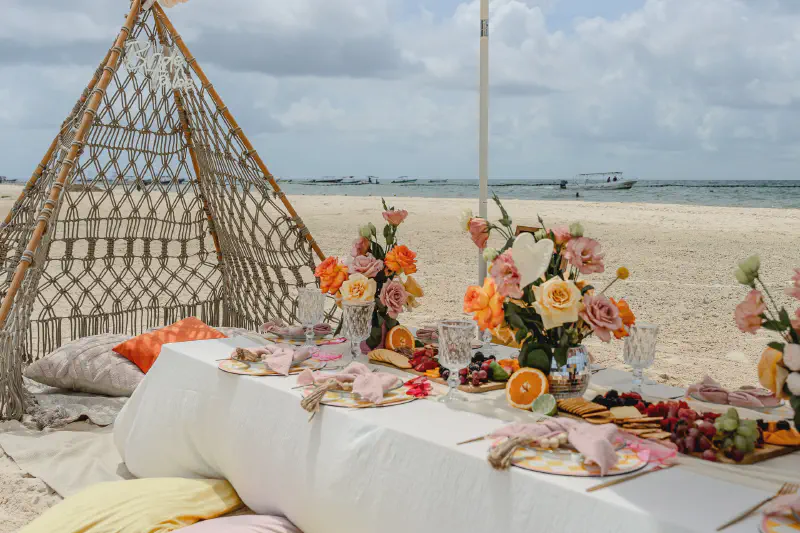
(187,135)
(37,173)
(68,165)
(192,61)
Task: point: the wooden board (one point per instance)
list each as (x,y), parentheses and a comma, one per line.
(486,387)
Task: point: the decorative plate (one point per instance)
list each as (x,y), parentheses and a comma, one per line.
(566,463)
(758,409)
(396,396)
(780,524)
(260,369)
(320,341)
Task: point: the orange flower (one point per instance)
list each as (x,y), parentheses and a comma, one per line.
(401,259)
(331,274)
(486,304)
(627,316)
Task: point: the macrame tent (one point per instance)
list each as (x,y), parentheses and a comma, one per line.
(149,206)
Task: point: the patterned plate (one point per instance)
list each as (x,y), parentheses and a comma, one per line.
(566,463)
(299,342)
(260,369)
(780,524)
(346,399)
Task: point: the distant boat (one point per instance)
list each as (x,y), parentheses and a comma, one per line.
(4,179)
(355,181)
(437,181)
(599,181)
(404,179)
(326,180)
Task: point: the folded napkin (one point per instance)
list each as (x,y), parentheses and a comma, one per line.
(594,442)
(277,358)
(280,328)
(710,391)
(783,505)
(371,386)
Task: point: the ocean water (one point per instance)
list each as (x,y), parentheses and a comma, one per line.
(777,194)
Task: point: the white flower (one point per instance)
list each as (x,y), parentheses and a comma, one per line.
(464,218)
(751,265)
(791,357)
(489,254)
(742,277)
(793,383)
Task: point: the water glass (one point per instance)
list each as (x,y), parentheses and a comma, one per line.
(357,323)
(486,343)
(455,351)
(310,310)
(640,351)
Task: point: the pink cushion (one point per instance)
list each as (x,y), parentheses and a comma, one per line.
(243,524)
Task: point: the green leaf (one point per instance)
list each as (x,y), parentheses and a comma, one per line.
(776,346)
(383,201)
(539,359)
(795,403)
(520,335)
(375,337)
(586,289)
(784,318)
(506,220)
(561,352)
(387,234)
(774,325)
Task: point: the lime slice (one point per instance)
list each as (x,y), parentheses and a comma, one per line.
(545,405)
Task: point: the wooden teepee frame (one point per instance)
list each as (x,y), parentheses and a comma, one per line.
(201,229)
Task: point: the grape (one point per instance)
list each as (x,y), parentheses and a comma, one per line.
(727,443)
(740,443)
(710,455)
(733,414)
(482,375)
(718,423)
(737,455)
(704,444)
(691,443)
(708,429)
(745,431)
(729,424)
(694,432)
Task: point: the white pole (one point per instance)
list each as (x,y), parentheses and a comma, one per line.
(483,142)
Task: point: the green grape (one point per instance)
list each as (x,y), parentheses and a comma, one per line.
(733,414)
(752,424)
(751,445)
(745,431)
(727,443)
(740,443)
(730,424)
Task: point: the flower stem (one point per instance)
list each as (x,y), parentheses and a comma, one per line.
(777,309)
(609,285)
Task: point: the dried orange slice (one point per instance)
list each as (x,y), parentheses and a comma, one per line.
(399,337)
(524,386)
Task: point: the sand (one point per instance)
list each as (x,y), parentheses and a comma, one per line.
(681,260)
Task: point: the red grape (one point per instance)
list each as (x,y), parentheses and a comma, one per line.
(710,455)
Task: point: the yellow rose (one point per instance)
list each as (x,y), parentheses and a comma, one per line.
(414,291)
(771,372)
(359,288)
(557,302)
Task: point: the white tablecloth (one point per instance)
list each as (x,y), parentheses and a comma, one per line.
(395,469)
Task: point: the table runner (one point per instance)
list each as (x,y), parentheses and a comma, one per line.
(389,470)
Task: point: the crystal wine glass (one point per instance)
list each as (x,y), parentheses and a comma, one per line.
(310,310)
(357,323)
(455,351)
(640,351)
(486,340)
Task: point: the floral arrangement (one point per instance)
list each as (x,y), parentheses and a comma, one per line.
(779,367)
(375,271)
(533,296)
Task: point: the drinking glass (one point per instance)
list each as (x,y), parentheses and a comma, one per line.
(455,351)
(640,351)
(357,323)
(310,310)
(486,343)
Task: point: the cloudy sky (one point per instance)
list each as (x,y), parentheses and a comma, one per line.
(662,89)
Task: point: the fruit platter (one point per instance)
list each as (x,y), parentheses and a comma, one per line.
(483,374)
(726,438)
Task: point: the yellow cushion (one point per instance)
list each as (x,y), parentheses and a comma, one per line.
(139,506)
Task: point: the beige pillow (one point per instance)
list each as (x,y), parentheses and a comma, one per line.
(88,365)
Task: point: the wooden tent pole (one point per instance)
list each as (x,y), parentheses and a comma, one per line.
(187,135)
(43,164)
(68,165)
(192,61)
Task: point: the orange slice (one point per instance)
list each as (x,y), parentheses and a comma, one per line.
(524,386)
(399,337)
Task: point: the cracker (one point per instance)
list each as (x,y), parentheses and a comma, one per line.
(626,412)
(659,435)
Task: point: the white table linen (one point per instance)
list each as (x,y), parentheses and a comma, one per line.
(390,470)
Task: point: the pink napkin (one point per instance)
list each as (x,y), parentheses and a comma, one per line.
(594,442)
(278,327)
(280,358)
(783,505)
(369,385)
(711,391)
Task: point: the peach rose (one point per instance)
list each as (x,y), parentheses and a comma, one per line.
(486,304)
(360,247)
(771,372)
(359,288)
(479,231)
(395,217)
(331,274)
(562,234)
(558,302)
(401,259)
(748,313)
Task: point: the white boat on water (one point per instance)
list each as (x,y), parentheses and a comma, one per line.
(598,181)
(404,179)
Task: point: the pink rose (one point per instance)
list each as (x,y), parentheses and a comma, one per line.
(601,314)
(561,234)
(365,264)
(586,255)
(360,247)
(796,321)
(506,276)
(479,231)
(748,313)
(794,290)
(394,297)
(395,217)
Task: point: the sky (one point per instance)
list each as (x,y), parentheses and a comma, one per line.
(660,89)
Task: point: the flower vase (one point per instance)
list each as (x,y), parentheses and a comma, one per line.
(572,379)
(365,347)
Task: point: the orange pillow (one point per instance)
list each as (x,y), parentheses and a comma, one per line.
(144,349)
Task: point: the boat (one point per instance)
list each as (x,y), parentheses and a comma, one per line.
(404,179)
(437,181)
(598,181)
(325,180)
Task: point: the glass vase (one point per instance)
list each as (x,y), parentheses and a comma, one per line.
(572,379)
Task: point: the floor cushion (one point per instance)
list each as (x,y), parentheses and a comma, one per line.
(152,505)
(144,349)
(244,524)
(88,365)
